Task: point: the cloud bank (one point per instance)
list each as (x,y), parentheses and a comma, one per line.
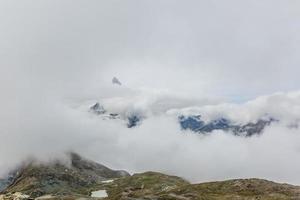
(196,47)
(57,58)
(45,129)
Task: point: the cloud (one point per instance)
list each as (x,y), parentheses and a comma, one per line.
(58,57)
(159,144)
(45,129)
(213,48)
(280,106)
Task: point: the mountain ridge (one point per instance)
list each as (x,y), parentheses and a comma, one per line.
(86,179)
(194,123)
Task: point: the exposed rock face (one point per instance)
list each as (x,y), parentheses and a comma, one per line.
(97,109)
(253,128)
(133,121)
(116,81)
(196,124)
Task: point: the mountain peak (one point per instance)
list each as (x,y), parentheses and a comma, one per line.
(116,81)
(97,109)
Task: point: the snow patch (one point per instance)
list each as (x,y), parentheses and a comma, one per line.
(99,194)
(44,197)
(107,181)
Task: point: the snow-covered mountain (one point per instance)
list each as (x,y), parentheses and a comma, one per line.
(134,107)
(132,119)
(194,123)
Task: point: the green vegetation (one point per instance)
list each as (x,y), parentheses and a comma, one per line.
(147,185)
(78,181)
(245,189)
(156,186)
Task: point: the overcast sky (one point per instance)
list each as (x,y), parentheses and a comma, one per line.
(167,54)
(233,49)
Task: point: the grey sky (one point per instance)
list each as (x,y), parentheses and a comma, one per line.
(54,50)
(236,49)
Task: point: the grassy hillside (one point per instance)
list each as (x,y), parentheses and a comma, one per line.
(78,181)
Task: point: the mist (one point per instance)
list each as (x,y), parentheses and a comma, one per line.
(57,58)
(47,129)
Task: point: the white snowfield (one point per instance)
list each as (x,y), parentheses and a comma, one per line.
(44,197)
(99,194)
(107,181)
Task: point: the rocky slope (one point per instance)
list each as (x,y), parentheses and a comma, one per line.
(85,179)
(57,179)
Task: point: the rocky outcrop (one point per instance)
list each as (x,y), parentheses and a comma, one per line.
(133,120)
(97,109)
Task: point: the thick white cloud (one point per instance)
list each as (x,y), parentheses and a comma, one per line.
(57,55)
(159,144)
(47,128)
(234,49)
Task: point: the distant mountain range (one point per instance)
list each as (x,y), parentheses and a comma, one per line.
(194,123)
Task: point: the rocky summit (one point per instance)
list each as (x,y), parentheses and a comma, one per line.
(97,109)
(87,180)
